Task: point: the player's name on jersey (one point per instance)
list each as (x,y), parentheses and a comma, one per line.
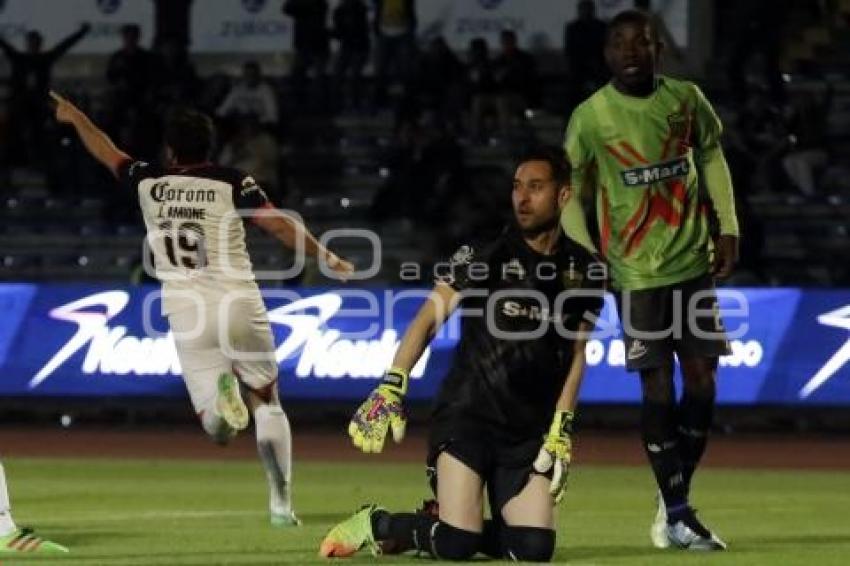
(184,212)
(161,192)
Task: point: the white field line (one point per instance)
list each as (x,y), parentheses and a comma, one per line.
(152,515)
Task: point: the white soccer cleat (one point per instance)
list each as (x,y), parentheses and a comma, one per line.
(229,404)
(285,519)
(689,534)
(658,530)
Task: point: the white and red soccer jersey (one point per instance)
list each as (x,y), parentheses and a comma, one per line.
(195,228)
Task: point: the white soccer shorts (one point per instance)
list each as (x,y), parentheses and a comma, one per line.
(227,336)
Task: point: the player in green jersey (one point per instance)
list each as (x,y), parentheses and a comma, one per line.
(644,145)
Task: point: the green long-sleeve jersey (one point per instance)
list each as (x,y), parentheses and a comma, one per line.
(644,159)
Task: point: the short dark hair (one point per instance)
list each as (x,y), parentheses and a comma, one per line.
(554,156)
(190,135)
(635,17)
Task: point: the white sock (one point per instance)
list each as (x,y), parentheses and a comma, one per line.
(7,525)
(274,444)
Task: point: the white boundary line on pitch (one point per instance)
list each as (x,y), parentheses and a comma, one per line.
(148,516)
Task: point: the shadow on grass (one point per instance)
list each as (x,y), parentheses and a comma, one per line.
(792,540)
(575,553)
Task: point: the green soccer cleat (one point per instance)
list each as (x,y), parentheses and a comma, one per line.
(288,519)
(349,536)
(25,541)
(229,403)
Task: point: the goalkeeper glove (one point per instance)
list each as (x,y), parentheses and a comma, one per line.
(556,453)
(382,410)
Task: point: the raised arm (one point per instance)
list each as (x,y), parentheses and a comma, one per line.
(291,232)
(63,46)
(8,49)
(96,142)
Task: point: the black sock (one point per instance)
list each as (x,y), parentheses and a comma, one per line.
(696,415)
(424,533)
(491,539)
(660,441)
(407,531)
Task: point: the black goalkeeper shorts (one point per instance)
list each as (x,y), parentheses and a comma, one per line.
(684,318)
(505,466)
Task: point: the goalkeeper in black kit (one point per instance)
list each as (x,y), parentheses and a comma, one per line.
(503,416)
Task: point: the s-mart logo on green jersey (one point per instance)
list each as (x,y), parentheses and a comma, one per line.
(666,170)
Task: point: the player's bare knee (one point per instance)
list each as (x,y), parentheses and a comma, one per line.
(528,544)
(452,543)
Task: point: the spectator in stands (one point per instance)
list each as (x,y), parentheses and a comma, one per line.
(254,149)
(760,30)
(584,42)
(131,73)
(423,161)
(517,80)
(28,91)
(481,82)
(808,148)
(177,82)
(763,136)
(311,46)
(395,32)
(172,22)
(437,87)
(351,30)
(253,95)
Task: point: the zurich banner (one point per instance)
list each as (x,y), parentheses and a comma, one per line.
(789,346)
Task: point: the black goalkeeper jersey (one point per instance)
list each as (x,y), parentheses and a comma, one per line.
(515,349)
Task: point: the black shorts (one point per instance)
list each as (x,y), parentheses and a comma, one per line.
(678,324)
(504,465)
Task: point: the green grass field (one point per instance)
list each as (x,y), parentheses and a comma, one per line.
(200,512)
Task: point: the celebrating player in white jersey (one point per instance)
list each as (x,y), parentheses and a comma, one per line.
(194,210)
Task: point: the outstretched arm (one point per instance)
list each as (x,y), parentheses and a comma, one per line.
(63,46)
(8,48)
(291,232)
(96,142)
(437,308)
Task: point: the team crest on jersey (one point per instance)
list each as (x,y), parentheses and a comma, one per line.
(249,185)
(679,124)
(462,256)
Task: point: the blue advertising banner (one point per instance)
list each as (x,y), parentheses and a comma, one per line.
(789,346)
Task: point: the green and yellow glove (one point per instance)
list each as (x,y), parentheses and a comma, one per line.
(556,453)
(382,410)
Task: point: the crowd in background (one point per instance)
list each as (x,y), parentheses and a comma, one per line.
(442,100)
